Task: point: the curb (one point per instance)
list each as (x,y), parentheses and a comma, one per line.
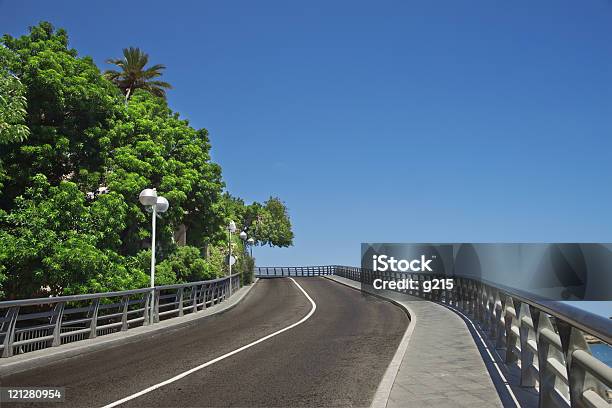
(41,358)
(383,392)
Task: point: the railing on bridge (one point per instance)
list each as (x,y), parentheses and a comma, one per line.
(276,271)
(549,341)
(34,324)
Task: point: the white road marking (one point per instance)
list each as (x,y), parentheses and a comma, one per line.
(211,362)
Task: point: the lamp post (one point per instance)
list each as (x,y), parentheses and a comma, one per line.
(251,242)
(243,237)
(230,229)
(149,198)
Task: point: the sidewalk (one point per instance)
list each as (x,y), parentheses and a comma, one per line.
(438,362)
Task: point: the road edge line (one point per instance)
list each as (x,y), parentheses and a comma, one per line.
(383,391)
(223,357)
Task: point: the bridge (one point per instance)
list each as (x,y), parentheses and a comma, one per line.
(306,336)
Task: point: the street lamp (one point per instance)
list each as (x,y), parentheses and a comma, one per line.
(231,227)
(251,242)
(158,204)
(243,237)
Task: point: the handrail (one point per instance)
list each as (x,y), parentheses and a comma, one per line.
(102,313)
(591,323)
(69,298)
(88,296)
(318,270)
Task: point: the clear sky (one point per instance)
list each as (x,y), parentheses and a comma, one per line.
(380,121)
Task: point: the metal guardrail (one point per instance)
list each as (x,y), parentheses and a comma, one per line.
(547,340)
(276,271)
(34,324)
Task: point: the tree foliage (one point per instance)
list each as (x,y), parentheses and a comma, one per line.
(273,226)
(157,148)
(73,159)
(267,223)
(70,107)
(54,240)
(12,104)
(133,75)
(185,265)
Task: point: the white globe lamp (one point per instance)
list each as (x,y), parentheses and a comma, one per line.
(148,197)
(162,205)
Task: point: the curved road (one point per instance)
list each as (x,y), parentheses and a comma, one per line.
(335,358)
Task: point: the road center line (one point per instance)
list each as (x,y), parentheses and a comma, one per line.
(211,362)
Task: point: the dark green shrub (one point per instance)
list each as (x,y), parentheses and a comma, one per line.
(246,265)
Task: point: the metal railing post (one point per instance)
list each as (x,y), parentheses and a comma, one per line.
(179,295)
(156,295)
(146,313)
(527,340)
(585,390)
(56,321)
(8,327)
(512,336)
(205,295)
(195,291)
(125,302)
(93,324)
(546,374)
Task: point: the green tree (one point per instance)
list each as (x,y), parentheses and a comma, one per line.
(159,149)
(12,104)
(54,243)
(273,226)
(185,265)
(70,107)
(133,74)
(246,265)
(83,137)
(73,163)
(12,115)
(267,223)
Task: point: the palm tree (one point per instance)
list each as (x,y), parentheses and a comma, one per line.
(133,74)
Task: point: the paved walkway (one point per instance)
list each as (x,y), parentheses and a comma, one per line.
(440,364)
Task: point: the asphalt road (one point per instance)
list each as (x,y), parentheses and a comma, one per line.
(335,358)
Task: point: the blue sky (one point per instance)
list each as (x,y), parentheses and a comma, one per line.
(404,121)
